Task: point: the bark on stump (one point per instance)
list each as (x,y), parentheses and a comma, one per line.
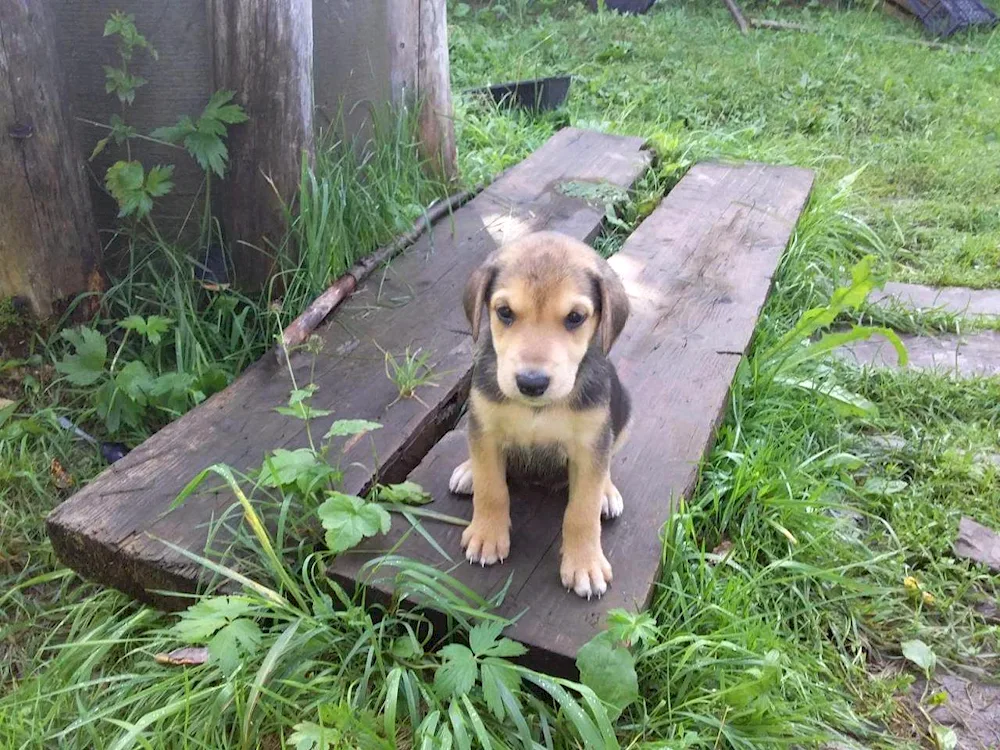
(263,50)
(48,238)
(437,117)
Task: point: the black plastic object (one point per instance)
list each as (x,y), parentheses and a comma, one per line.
(635,7)
(944,17)
(211,272)
(540,94)
(111,452)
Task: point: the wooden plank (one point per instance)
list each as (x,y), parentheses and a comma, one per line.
(950,354)
(957,300)
(105,530)
(698,271)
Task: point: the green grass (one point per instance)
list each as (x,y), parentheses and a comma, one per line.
(791,633)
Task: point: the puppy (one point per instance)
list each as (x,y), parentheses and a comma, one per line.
(544,398)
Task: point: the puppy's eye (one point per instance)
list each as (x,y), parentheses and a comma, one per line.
(505,315)
(574,320)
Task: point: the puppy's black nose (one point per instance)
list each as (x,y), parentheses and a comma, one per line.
(532,382)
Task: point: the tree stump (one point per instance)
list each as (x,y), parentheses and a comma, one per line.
(437,116)
(48,239)
(263,50)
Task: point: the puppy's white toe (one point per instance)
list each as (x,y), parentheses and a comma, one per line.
(486,544)
(588,577)
(461,479)
(612,504)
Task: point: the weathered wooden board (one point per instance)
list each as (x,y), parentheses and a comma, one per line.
(961,356)
(957,300)
(106,531)
(698,271)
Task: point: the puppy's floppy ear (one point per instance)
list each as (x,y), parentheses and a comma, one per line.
(614,306)
(477,292)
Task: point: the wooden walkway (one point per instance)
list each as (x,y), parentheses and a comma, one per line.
(105,532)
(698,271)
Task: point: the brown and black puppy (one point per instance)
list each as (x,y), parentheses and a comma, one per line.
(544,396)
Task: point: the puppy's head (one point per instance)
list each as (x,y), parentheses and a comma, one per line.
(548,298)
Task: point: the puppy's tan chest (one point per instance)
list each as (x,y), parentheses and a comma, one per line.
(523,426)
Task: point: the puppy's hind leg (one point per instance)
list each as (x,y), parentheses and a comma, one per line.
(461,478)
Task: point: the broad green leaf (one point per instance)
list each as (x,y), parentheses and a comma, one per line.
(232,643)
(882,487)
(609,670)
(125,181)
(202,620)
(945,738)
(219,108)
(484,635)
(156,326)
(505,648)
(158,184)
(174,133)
(310,736)
(345,427)
(299,395)
(302,411)
(632,627)
(208,150)
(920,654)
(135,323)
(457,673)
(284,467)
(349,519)
(86,365)
(134,381)
(407,493)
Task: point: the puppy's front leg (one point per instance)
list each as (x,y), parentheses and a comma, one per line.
(487,538)
(584,567)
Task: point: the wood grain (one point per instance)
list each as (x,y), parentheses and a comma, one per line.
(105,531)
(263,50)
(48,238)
(697,271)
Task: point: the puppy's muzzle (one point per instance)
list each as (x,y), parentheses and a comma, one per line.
(532,383)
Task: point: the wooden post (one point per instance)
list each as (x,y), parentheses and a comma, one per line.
(263,50)
(437,126)
(48,239)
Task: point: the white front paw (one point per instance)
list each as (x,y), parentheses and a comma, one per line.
(461,479)
(587,575)
(612,503)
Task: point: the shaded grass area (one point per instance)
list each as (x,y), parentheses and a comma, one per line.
(782,603)
(354,200)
